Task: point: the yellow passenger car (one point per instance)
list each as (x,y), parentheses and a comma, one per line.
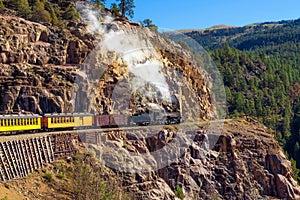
(67,120)
(16,123)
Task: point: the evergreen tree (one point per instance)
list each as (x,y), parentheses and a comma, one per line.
(148,23)
(54,18)
(71,13)
(239,102)
(54,13)
(115,10)
(99,3)
(126,7)
(295,170)
(39,13)
(22,7)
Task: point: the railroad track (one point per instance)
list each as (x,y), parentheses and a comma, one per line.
(21,136)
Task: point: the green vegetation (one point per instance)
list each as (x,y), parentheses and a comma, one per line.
(179,192)
(99,3)
(148,23)
(39,13)
(48,177)
(91,180)
(58,12)
(71,13)
(60,176)
(2,7)
(115,10)
(44,10)
(261,73)
(126,7)
(22,7)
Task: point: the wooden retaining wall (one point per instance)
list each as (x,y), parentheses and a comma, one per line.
(21,157)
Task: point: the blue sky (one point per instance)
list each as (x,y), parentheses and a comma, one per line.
(199,14)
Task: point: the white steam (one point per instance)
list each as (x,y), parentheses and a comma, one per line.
(136,51)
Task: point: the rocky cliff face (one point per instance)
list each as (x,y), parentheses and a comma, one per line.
(245,163)
(38,66)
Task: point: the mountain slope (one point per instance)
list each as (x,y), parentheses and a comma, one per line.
(261,68)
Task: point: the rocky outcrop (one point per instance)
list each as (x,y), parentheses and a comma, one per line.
(245,163)
(38,66)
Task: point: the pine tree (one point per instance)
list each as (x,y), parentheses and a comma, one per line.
(148,23)
(22,7)
(239,102)
(71,13)
(54,18)
(115,10)
(100,3)
(39,13)
(126,7)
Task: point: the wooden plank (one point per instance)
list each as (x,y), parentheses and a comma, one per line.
(66,144)
(11,159)
(3,168)
(29,155)
(22,146)
(7,159)
(51,148)
(16,159)
(22,160)
(43,150)
(39,151)
(47,149)
(35,154)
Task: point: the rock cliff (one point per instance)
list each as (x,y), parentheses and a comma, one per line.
(245,163)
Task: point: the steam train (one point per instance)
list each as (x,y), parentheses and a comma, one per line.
(68,121)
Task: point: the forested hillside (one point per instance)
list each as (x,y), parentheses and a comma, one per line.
(261,65)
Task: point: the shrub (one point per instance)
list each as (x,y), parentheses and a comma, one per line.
(22,7)
(2,7)
(60,176)
(48,177)
(39,13)
(71,13)
(179,192)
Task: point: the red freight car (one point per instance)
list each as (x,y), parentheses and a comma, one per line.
(102,120)
(119,120)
